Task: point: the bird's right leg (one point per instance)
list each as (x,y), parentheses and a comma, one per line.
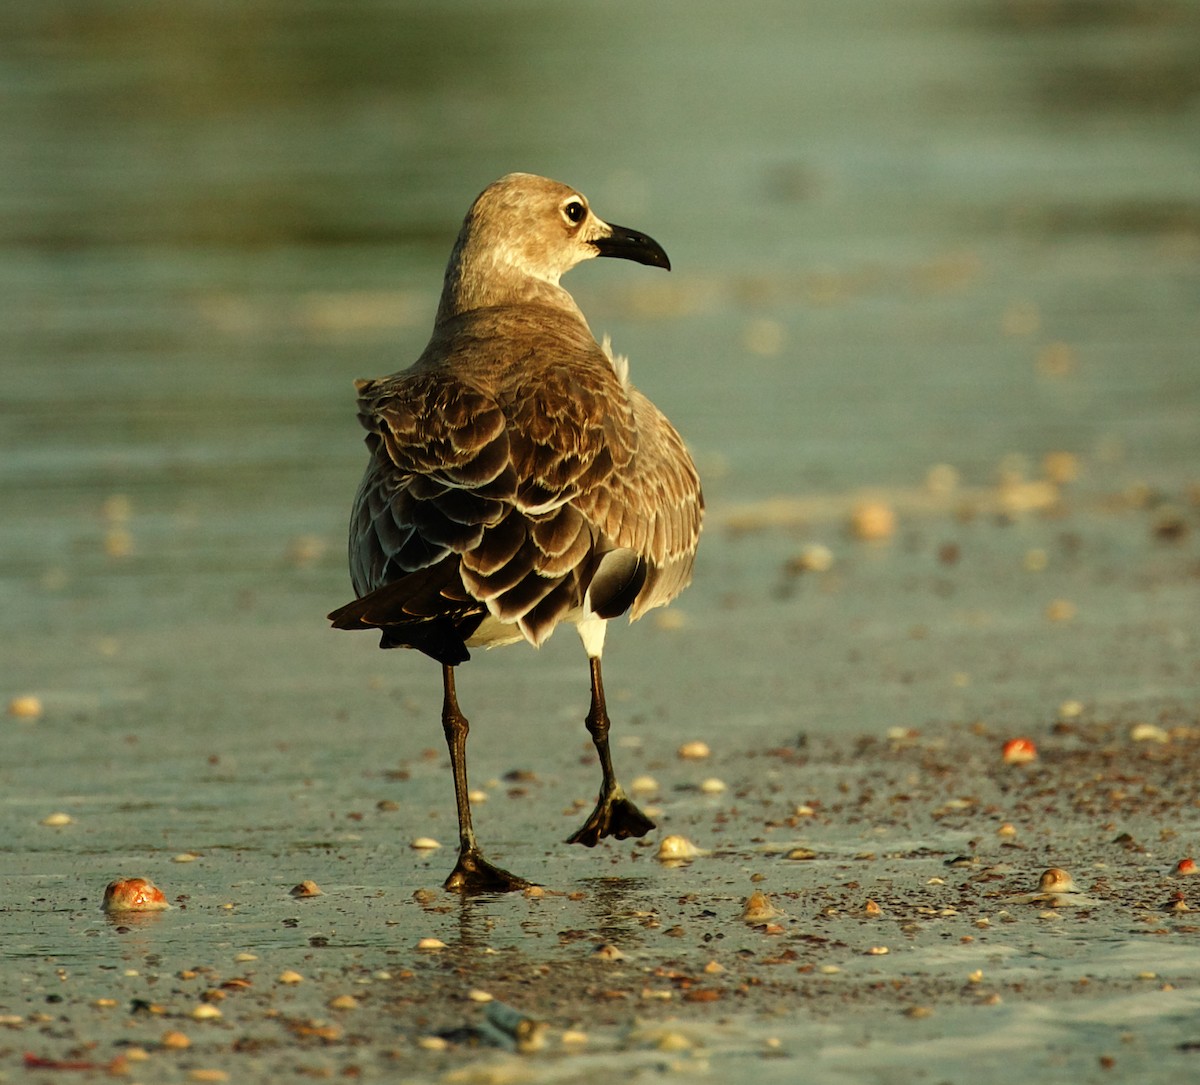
(616,814)
(472,873)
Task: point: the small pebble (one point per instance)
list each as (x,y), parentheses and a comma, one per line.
(207,1075)
(288,976)
(1186,866)
(573,1037)
(873,521)
(1007,829)
(672,1040)
(812,559)
(243,958)
(185,857)
(177,1041)
(343,1002)
(424,843)
(758,908)
(1148,732)
(1060,467)
(644,785)
(57,819)
(476,995)
(25,707)
(1060,610)
(694,751)
(608,952)
(206,1011)
(306,888)
(1056,880)
(118,543)
(676,849)
(878,951)
(431,944)
(432,1043)
(712,786)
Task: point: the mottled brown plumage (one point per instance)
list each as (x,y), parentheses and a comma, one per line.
(516,479)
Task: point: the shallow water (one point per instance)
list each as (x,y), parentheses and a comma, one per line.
(903,236)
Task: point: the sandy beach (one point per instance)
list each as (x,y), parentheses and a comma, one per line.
(899,930)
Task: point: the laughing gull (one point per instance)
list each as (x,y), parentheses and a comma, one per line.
(517,479)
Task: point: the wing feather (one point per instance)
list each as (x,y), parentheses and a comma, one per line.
(499,479)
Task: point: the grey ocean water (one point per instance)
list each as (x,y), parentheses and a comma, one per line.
(941,232)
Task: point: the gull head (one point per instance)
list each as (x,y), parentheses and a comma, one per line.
(522,234)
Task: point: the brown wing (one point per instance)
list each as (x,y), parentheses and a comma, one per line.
(440,474)
(486,483)
(556,474)
(438,477)
(653,507)
(570,429)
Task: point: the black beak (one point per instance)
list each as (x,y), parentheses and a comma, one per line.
(630,245)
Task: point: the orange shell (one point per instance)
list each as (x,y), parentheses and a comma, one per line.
(1019,751)
(134,895)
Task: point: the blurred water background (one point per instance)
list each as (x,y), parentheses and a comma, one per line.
(961,232)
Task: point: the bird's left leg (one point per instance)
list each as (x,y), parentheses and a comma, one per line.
(615,814)
(472,873)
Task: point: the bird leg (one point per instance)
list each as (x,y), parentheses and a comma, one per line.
(615,814)
(472,873)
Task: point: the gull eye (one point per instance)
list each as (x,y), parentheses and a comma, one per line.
(574,212)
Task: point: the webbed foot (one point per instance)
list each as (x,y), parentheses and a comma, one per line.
(474,874)
(615,815)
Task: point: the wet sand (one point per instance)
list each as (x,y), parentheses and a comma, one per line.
(901,930)
(900,939)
